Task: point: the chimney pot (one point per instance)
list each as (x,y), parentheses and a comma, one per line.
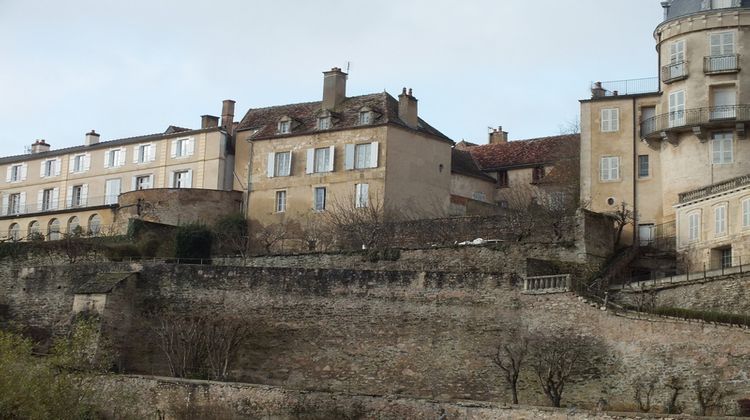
(407,109)
(498,136)
(40,146)
(209,121)
(91,138)
(334,88)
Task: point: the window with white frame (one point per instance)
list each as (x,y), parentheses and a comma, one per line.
(365,117)
(14,203)
(721,148)
(319,199)
(16,173)
(694,227)
(145,153)
(280,202)
(609,168)
(79,163)
(77,196)
(361,195)
(720,220)
(143,182)
(114,158)
(324,123)
(746,213)
(284,126)
(677,108)
(610,120)
(722,43)
(322,160)
(183,147)
(279,164)
(112,189)
(643,166)
(361,156)
(720,4)
(48,199)
(182,179)
(49,168)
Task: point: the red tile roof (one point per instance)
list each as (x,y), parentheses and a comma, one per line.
(524,153)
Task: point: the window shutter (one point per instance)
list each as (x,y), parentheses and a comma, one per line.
(189,181)
(84,194)
(4,210)
(8,171)
(69,197)
(39,200)
(310,161)
(135,153)
(55,198)
(132,182)
(374,154)
(123,156)
(41,169)
(173,153)
(87,162)
(151,181)
(271,164)
(22,202)
(614,119)
(365,191)
(58,166)
(604,169)
(349,157)
(151,152)
(331,152)
(71,164)
(288,170)
(615,166)
(190,146)
(171,180)
(107,154)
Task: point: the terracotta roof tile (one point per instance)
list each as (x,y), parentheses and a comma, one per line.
(526,152)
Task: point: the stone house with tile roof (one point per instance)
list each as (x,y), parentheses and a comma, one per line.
(299,160)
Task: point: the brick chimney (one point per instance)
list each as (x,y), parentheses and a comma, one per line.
(498,136)
(40,146)
(91,138)
(597,91)
(227,114)
(334,88)
(209,121)
(407,108)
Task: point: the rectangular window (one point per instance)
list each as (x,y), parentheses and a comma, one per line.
(361,195)
(113,158)
(610,119)
(182,179)
(14,203)
(280,201)
(721,148)
(324,123)
(722,4)
(723,101)
(722,43)
(183,147)
(145,153)
(364,118)
(15,173)
(143,182)
(643,169)
(609,168)
(48,168)
(726,258)
(648,122)
(537,174)
(48,200)
(78,163)
(322,160)
(111,191)
(282,163)
(362,156)
(76,198)
(285,127)
(502,179)
(479,196)
(694,225)
(319,199)
(677,108)
(746,213)
(720,219)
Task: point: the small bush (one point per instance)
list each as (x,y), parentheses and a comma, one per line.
(193,242)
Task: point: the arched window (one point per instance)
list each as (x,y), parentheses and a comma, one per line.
(35,231)
(74,225)
(95,224)
(14,232)
(53,230)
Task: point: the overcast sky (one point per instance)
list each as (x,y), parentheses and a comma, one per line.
(127,68)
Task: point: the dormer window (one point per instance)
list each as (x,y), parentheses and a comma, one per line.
(285,126)
(365,117)
(324,123)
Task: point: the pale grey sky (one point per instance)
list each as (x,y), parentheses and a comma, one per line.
(127,68)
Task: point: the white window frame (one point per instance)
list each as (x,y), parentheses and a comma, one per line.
(280,201)
(176,179)
(320,160)
(677,101)
(610,120)
(365,117)
(324,123)
(183,147)
(114,158)
(78,195)
(14,204)
(720,220)
(110,196)
(284,127)
(746,213)
(361,195)
(717,45)
(640,166)
(80,163)
(694,226)
(276,164)
(722,148)
(149,183)
(47,169)
(319,198)
(607,171)
(144,153)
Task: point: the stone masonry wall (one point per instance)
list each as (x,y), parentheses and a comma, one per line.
(407,333)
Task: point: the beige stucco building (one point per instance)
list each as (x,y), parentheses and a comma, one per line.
(652,143)
(47,193)
(300,160)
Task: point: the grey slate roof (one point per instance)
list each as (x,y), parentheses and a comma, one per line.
(679,8)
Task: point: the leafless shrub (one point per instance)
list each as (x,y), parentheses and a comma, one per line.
(268,236)
(369,226)
(709,395)
(622,216)
(510,355)
(643,390)
(675,385)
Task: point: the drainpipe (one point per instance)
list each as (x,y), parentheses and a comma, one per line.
(636,232)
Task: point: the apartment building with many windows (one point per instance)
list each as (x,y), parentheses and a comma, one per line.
(296,161)
(47,193)
(675,147)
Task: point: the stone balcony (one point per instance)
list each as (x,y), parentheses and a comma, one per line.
(698,121)
(717,188)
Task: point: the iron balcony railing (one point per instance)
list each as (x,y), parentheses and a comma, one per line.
(625,87)
(721,64)
(694,117)
(718,188)
(719,4)
(15,208)
(674,71)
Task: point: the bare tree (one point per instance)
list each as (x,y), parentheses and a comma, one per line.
(367,225)
(316,233)
(559,357)
(675,385)
(571,126)
(509,356)
(709,394)
(622,216)
(643,392)
(269,235)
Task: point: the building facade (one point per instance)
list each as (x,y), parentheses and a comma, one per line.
(651,142)
(48,193)
(300,160)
